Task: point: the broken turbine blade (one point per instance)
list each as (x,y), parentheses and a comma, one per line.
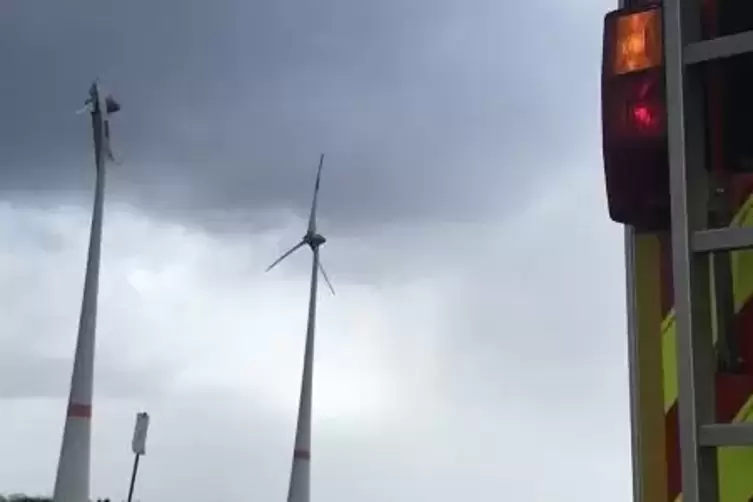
(111,106)
(326,279)
(312,214)
(288,253)
(86,108)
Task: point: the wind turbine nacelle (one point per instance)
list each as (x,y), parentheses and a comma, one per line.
(314,240)
(107,105)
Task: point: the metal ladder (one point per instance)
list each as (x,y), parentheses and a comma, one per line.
(692,242)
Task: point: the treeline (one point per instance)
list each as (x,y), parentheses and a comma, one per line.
(20,497)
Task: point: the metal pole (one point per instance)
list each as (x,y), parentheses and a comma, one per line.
(632,332)
(728,345)
(299,488)
(72,479)
(133,476)
(696,362)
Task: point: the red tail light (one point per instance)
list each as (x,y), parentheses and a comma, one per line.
(634,118)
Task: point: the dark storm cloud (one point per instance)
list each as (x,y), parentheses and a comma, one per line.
(439,109)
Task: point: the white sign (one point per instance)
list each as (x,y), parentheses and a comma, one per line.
(139,434)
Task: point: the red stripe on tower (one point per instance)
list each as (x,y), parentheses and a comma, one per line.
(76,410)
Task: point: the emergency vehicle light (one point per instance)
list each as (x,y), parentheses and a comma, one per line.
(637,41)
(634,123)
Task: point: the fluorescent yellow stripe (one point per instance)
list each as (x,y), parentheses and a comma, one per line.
(743,217)
(669,360)
(745,414)
(735,481)
(742,261)
(742,273)
(669,349)
(668,320)
(651,462)
(735,463)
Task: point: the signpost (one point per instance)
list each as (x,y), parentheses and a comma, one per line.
(138,445)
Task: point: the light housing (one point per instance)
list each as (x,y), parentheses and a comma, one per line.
(634,118)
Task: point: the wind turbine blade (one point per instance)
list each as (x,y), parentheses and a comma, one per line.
(86,108)
(326,279)
(111,106)
(312,215)
(288,253)
(113,159)
(108,145)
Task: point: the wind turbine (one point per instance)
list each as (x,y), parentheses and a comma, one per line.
(298,490)
(72,480)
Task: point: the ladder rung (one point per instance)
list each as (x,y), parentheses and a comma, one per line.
(736,434)
(719,48)
(722,239)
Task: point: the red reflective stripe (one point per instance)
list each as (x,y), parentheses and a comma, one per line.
(79,410)
(665,272)
(732,392)
(302,454)
(672,440)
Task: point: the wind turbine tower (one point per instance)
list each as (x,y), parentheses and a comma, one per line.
(298,490)
(72,480)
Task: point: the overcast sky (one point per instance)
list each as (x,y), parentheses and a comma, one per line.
(476,346)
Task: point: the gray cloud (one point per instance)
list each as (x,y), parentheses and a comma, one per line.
(41,275)
(247,451)
(434,384)
(439,110)
(27,374)
(477,319)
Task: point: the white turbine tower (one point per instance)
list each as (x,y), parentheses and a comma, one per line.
(298,490)
(72,480)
